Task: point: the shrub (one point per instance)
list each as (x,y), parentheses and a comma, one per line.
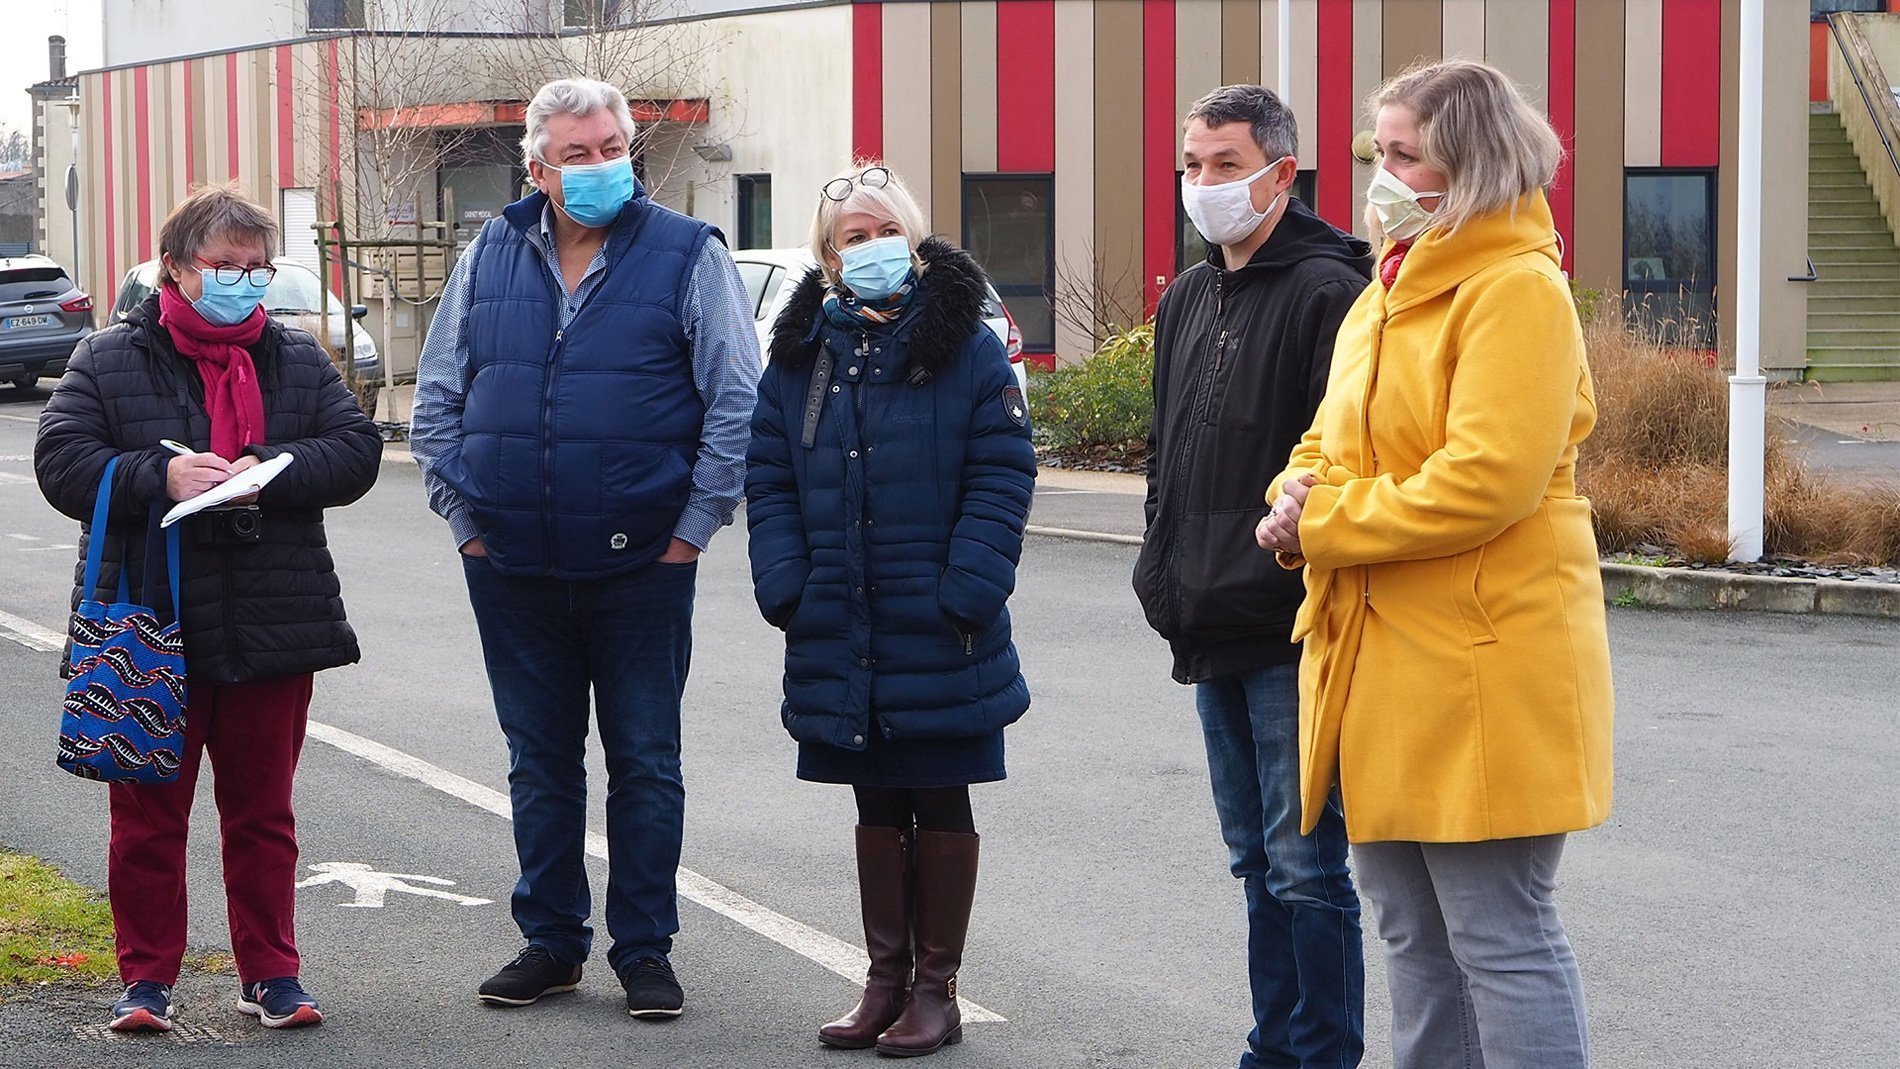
(1102,405)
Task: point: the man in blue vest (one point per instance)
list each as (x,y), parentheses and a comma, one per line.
(581,417)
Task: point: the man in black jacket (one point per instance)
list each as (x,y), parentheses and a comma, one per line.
(1243,343)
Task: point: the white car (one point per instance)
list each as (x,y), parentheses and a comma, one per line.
(770,275)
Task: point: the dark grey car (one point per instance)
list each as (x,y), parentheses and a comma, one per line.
(43,315)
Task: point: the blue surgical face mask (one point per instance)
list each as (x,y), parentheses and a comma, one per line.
(592,194)
(876,269)
(224,305)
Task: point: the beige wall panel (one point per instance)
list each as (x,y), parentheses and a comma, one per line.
(1240,41)
(1412,30)
(946,127)
(1305,81)
(1270,43)
(215,104)
(94,180)
(178,123)
(253,78)
(1075,163)
(1197,54)
(1462,34)
(907,137)
(979,86)
(126,152)
(1368,70)
(1517,42)
(208,113)
(1642,83)
(1118,49)
(1784,309)
(1597,255)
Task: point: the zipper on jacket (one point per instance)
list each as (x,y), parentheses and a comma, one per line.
(1196,415)
(548,380)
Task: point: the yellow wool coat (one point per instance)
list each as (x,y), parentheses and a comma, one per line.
(1455,681)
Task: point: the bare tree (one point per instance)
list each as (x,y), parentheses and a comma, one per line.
(1096,298)
(16,150)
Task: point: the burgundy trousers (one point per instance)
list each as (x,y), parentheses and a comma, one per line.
(253,732)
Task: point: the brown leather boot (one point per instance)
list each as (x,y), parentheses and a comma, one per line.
(884,896)
(945,888)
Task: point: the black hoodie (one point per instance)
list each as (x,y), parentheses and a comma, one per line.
(1241,359)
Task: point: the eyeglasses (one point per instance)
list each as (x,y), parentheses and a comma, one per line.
(839,189)
(232,274)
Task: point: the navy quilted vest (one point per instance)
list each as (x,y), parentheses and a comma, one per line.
(578,444)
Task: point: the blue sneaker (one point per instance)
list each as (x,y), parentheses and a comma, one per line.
(280,1003)
(146,1007)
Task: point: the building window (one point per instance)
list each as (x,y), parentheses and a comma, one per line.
(1190,248)
(1819,10)
(755,211)
(478,173)
(1009,226)
(590,14)
(1669,254)
(336,15)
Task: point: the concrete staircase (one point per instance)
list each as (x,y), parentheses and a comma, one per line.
(1854,308)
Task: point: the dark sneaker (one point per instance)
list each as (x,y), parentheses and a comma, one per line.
(146,1007)
(653,994)
(280,1003)
(533,973)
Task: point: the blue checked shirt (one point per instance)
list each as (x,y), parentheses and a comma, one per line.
(725,372)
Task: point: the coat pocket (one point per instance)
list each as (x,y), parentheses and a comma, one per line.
(1464,594)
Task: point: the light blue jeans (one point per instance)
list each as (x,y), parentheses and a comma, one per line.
(1480,971)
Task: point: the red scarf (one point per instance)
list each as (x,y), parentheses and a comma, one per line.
(233,398)
(1389,267)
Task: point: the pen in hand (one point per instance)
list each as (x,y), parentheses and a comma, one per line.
(193,472)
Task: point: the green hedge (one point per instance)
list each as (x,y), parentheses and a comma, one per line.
(1104,401)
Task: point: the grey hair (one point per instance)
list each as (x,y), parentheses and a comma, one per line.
(211,213)
(570,96)
(1474,125)
(892,202)
(1275,129)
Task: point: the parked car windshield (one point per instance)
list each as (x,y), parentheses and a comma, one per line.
(33,283)
(295,289)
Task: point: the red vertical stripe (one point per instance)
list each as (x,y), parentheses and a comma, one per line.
(1819,41)
(111,178)
(286,122)
(1026,86)
(1563,115)
(1692,83)
(190,121)
(867,81)
(231,113)
(142,145)
(1334,114)
(336,153)
(1158,120)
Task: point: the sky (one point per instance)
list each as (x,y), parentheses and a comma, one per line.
(23,48)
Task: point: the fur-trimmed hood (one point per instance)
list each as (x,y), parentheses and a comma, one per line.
(947,309)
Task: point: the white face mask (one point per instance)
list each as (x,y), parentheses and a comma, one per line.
(1397,204)
(1224,214)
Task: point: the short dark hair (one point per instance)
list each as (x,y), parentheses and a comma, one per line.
(1275,129)
(210,213)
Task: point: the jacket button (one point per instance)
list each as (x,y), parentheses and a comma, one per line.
(860,592)
(887,733)
(852,370)
(835,387)
(877,371)
(854,454)
(864,662)
(857,740)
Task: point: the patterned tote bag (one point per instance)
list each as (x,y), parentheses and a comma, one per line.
(124,719)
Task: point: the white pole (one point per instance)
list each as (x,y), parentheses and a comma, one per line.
(1748,390)
(1286,50)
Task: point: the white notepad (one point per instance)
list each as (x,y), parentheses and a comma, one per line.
(249,481)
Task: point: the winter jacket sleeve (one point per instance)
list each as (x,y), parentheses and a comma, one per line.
(999,479)
(337,462)
(1325,310)
(1152,504)
(75,441)
(1514,392)
(781,557)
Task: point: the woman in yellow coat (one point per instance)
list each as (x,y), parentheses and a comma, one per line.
(1455,682)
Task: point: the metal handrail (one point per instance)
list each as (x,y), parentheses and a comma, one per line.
(1853,68)
(1811,276)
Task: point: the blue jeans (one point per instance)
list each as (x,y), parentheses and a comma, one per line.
(546,643)
(1305,961)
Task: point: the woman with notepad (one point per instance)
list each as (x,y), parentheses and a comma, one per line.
(197,389)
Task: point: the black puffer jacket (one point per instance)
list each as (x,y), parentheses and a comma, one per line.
(1240,366)
(252,610)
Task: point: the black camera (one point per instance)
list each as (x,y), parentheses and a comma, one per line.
(236,526)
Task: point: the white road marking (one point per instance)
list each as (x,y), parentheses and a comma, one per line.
(31,635)
(16,480)
(23,537)
(21,419)
(371,886)
(1064,493)
(1084,536)
(43,549)
(829,951)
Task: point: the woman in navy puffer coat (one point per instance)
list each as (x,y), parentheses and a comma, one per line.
(889,479)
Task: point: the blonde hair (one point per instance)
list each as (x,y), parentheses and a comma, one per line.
(1474,125)
(891,203)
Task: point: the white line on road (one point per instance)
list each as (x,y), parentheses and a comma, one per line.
(829,951)
(23,537)
(1084,536)
(31,635)
(17,480)
(1065,493)
(21,419)
(43,549)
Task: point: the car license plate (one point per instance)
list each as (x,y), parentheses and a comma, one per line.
(17,322)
